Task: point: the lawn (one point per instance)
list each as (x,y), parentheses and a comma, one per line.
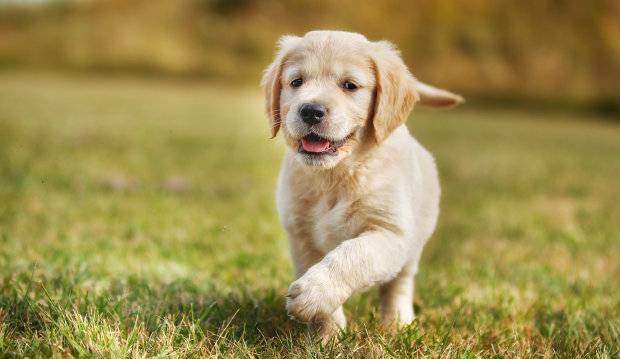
(137,218)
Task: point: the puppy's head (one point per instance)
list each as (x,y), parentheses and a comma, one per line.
(335,94)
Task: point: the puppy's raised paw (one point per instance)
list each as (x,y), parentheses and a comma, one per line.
(313,297)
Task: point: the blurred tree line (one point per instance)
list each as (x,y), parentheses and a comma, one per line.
(548,50)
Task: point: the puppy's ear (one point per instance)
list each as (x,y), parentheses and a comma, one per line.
(272,82)
(435,97)
(395,92)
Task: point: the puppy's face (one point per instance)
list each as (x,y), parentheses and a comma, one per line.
(334,93)
(325,100)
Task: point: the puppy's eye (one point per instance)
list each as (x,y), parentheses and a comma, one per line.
(348,85)
(297,82)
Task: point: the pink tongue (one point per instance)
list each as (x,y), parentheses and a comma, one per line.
(314,146)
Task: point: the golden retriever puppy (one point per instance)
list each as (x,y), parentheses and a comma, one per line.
(357,194)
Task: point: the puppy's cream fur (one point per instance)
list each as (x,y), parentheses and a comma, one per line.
(360,216)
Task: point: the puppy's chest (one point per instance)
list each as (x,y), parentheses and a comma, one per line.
(327,221)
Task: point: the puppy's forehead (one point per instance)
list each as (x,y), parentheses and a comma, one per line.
(323,55)
(331,35)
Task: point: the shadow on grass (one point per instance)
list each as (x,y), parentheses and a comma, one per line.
(239,313)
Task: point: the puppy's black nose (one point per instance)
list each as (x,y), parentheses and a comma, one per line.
(312,113)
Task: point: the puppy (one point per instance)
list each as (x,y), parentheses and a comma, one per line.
(357,194)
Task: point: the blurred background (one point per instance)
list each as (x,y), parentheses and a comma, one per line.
(562,52)
(137,179)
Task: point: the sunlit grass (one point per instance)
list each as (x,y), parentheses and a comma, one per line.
(137,218)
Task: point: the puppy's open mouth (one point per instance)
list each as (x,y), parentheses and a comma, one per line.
(313,144)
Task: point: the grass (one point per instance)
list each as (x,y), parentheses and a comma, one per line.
(137,219)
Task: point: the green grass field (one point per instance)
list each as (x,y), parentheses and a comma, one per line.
(137,218)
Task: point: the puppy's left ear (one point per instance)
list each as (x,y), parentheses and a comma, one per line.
(395,91)
(272,82)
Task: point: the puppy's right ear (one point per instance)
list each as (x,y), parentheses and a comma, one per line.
(272,82)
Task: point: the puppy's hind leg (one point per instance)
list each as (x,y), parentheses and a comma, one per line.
(397,299)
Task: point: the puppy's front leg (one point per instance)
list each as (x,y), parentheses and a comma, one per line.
(373,257)
(304,257)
